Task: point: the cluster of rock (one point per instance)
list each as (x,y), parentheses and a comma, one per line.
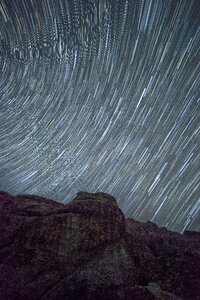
(87,250)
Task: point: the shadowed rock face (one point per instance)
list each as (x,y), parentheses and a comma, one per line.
(88,250)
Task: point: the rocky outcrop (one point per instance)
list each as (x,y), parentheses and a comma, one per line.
(88,250)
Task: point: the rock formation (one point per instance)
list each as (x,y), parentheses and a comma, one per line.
(87,250)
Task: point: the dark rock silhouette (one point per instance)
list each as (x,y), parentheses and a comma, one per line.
(88,250)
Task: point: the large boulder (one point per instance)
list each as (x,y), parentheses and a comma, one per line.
(87,250)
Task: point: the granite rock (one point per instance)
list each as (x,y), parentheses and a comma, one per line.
(87,250)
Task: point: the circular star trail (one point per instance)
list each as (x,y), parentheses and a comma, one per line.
(103,95)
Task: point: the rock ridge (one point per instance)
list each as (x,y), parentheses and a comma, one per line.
(87,250)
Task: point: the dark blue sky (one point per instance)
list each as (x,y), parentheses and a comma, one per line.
(103,96)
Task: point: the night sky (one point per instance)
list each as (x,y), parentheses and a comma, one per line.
(103,95)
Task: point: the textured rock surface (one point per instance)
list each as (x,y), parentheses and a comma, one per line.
(87,250)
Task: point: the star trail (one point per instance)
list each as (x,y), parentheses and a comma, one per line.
(103,95)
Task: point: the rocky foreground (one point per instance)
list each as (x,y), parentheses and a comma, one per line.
(88,250)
